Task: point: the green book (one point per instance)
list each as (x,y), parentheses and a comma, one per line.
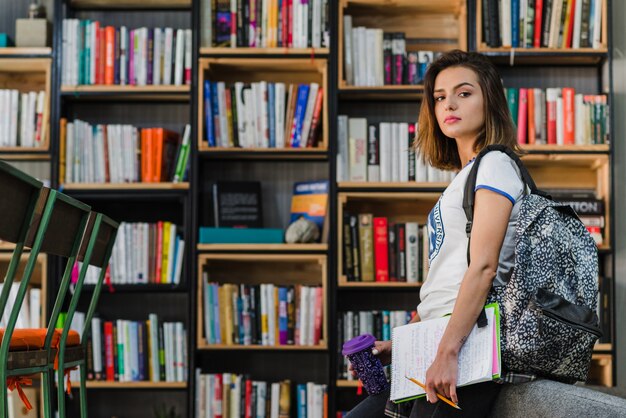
(512,98)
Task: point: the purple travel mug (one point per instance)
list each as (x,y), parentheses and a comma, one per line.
(367,366)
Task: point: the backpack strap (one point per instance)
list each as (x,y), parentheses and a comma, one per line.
(469,194)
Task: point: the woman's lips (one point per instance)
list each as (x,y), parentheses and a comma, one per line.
(451,119)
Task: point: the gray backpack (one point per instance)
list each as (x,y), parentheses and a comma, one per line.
(549,323)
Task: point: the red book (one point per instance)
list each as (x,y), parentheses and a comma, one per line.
(570,26)
(101,54)
(538,23)
(551,97)
(217,397)
(96,53)
(108,351)
(568,116)
(248,405)
(318,317)
(401,252)
(290,23)
(109,54)
(316,118)
(381,253)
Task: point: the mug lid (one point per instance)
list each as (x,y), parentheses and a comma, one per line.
(357,344)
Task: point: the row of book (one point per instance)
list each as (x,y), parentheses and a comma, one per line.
(381,153)
(264,314)
(378,323)
(145,253)
(122,153)
(263,114)
(137,351)
(30,311)
(377,249)
(98,54)
(22,118)
(559,116)
(226,395)
(267,24)
(375,58)
(542,23)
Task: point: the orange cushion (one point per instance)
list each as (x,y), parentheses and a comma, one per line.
(34,338)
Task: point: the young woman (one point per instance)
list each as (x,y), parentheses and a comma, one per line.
(464,110)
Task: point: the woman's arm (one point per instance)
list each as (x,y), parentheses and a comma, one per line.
(491,216)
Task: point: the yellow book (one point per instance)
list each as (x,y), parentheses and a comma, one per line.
(166,250)
(62,151)
(149,340)
(221,294)
(228,315)
(264,309)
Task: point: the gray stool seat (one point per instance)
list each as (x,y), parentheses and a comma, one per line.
(550,399)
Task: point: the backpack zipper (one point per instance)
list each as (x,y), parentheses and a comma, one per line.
(593,330)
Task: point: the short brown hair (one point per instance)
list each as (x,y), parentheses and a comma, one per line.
(434,146)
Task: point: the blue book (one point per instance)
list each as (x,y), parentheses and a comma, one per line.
(216,114)
(301,400)
(217,336)
(134,353)
(282,315)
(271,88)
(240,314)
(298,116)
(116,59)
(386,326)
(208,312)
(515,25)
(310,200)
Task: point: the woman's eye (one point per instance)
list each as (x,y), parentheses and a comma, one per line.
(465,94)
(440,98)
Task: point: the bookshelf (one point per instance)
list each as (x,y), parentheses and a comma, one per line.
(427,25)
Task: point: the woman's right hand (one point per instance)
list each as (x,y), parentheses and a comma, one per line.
(382,349)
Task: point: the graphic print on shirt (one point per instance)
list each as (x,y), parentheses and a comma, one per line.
(435,231)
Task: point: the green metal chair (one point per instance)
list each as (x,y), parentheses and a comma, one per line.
(95,250)
(46,221)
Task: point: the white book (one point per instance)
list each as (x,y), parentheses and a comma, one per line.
(479,358)
(305,306)
(395,151)
(348,53)
(403,141)
(13,119)
(357,142)
(271,315)
(343,166)
(412,251)
(555,23)
(308,114)
(379,59)
(96,340)
(188,57)
(167,56)
(34,295)
(559,119)
(274,406)
(361,62)
(370,68)
(241,119)
(279,102)
(156,56)
(505,25)
(154,343)
(143,57)
(385,151)
(356,57)
(64,50)
(310,404)
(180,365)
(249,102)
(316,32)
(41,118)
(32,111)
(523,19)
(577,24)
(597,24)
(264,136)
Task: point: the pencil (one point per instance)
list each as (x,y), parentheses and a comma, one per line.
(443,398)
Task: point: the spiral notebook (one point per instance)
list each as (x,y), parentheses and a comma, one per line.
(414,347)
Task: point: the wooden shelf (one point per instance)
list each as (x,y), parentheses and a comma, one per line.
(125,186)
(27,75)
(601,371)
(390,92)
(131,385)
(599,148)
(344,383)
(20,154)
(286,52)
(131,4)
(343,282)
(249,70)
(391,186)
(25,52)
(204,346)
(286,248)
(544,56)
(603,347)
(119,92)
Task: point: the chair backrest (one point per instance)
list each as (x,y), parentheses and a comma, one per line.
(95,249)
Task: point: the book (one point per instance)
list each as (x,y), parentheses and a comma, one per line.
(310,200)
(237,204)
(414,347)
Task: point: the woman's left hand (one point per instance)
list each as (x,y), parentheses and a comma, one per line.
(441,377)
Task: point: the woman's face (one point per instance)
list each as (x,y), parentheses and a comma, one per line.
(459,103)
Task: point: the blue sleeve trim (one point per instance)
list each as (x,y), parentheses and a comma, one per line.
(493,189)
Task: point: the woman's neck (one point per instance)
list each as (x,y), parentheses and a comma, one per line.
(466,151)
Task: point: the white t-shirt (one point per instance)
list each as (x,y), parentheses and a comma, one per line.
(448,240)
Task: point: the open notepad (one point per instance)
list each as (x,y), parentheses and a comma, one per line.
(414,347)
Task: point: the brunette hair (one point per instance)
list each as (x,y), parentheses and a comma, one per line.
(434,146)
